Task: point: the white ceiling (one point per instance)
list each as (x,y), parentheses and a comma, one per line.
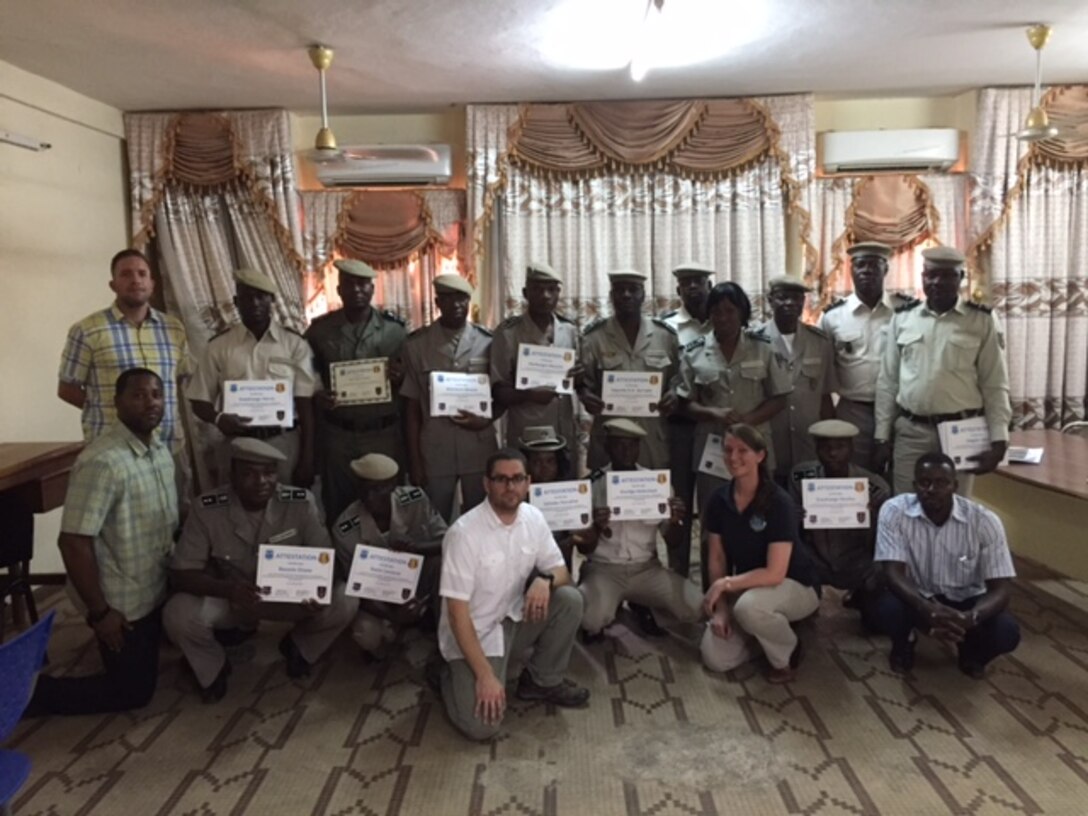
(396,55)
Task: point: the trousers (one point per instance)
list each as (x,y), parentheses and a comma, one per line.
(863,415)
(337,448)
(441,490)
(606,586)
(681,441)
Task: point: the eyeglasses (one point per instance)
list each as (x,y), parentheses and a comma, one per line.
(508,481)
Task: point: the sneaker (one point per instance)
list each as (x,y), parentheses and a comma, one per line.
(901,657)
(217,690)
(566,694)
(297,665)
(645,620)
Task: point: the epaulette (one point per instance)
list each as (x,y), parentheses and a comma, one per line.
(815,330)
(417,332)
(593,325)
(669,313)
(346,525)
(978,307)
(480,328)
(292,494)
(596,474)
(295,333)
(835,305)
(393,316)
(563,318)
(510,322)
(220,499)
(220,333)
(757,334)
(664,325)
(698,343)
(409,495)
(805,470)
(911,304)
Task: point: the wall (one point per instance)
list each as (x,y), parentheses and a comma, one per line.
(955,111)
(62,216)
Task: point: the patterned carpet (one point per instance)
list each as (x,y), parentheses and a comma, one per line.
(661,735)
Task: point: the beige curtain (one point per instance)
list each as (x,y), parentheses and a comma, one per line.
(1030,219)
(409,236)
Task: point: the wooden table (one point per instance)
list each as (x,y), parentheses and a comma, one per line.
(1064,468)
(33,479)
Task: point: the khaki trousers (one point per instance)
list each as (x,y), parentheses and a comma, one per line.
(606,586)
(863,415)
(191,620)
(763,613)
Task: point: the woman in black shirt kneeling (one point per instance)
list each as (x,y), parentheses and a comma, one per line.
(761,579)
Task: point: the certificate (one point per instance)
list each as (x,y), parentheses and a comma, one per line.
(265,402)
(835,504)
(631,393)
(544,367)
(294,574)
(713,459)
(638,494)
(383,575)
(361,382)
(452,392)
(963,438)
(565,505)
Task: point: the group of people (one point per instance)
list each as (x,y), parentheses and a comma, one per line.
(784,402)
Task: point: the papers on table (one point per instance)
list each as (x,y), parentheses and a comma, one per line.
(294,574)
(638,494)
(544,367)
(1024,456)
(713,459)
(963,438)
(361,382)
(265,402)
(631,393)
(383,575)
(453,391)
(835,503)
(565,505)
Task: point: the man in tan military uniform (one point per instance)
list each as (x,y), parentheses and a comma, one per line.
(441,449)
(396,518)
(945,360)
(858,328)
(258,348)
(358,331)
(807,355)
(214,569)
(539,325)
(629,341)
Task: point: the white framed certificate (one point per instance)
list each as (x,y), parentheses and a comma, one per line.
(361,382)
(835,504)
(379,574)
(565,505)
(634,495)
(265,402)
(963,438)
(712,460)
(294,574)
(631,393)
(453,392)
(544,367)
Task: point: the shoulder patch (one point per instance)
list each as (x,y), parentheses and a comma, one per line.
(597,474)
(815,330)
(510,322)
(659,322)
(757,334)
(394,317)
(417,332)
(978,307)
(563,318)
(698,343)
(482,329)
(409,495)
(593,325)
(805,472)
(835,305)
(911,304)
(346,525)
(214,500)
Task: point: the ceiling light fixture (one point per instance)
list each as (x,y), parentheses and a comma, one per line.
(642,56)
(1037,126)
(325,148)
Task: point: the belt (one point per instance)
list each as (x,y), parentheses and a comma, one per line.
(361,426)
(937,419)
(867,403)
(264,431)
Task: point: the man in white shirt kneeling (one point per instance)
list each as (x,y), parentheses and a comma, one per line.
(492,610)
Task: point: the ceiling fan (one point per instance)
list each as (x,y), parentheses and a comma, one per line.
(1037,126)
(325,148)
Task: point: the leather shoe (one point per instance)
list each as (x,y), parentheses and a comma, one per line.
(217,690)
(566,693)
(901,657)
(297,665)
(972,668)
(645,620)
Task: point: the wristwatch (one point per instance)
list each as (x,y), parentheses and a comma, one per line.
(97,617)
(547,576)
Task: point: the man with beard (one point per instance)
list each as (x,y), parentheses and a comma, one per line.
(258,348)
(539,325)
(120,515)
(443,449)
(214,570)
(129,333)
(944,361)
(358,331)
(858,328)
(806,354)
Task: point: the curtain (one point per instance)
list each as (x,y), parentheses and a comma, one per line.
(408,236)
(1030,221)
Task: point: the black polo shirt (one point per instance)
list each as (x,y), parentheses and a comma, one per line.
(746,536)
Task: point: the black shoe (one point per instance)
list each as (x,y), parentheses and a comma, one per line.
(297,665)
(234,636)
(972,668)
(645,620)
(218,688)
(589,638)
(566,694)
(901,658)
(432,674)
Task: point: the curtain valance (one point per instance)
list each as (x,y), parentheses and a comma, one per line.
(894,210)
(385,228)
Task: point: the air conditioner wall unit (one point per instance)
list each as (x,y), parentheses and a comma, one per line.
(868,151)
(371,165)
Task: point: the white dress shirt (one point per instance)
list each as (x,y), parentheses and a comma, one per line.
(859,334)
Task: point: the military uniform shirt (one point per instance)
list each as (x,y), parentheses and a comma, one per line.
(943,364)
(559,413)
(447,449)
(687,327)
(411,517)
(859,335)
(220,535)
(236,354)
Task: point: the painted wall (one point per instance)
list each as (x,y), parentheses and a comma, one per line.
(62,216)
(957,111)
